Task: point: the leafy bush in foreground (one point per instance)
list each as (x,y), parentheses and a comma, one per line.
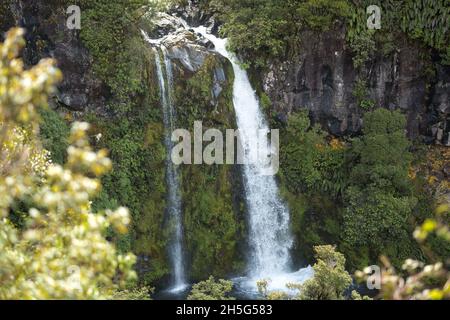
(59,251)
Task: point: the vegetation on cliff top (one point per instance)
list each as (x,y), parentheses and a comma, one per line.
(268,29)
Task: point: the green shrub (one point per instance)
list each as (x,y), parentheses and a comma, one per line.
(309,163)
(211,290)
(379,199)
(54,133)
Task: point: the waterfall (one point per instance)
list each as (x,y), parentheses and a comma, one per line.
(269,236)
(173,208)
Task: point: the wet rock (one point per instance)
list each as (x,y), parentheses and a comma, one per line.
(73,101)
(167,24)
(192,12)
(218,83)
(182,46)
(191,57)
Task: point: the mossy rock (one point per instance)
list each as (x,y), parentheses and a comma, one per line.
(213,222)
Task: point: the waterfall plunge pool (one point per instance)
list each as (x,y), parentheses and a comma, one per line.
(246,287)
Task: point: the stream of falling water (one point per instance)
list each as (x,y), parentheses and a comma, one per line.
(269,236)
(173,207)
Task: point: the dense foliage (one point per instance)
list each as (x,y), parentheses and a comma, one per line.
(316,169)
(110,30)
(211,289)
(54,133)
(212,209)
(330,277)
(418,280)
(134,134)
(134,293)
(379,194)
(136,148)
(60,250)
(351,193)
(267,29)
(310,162)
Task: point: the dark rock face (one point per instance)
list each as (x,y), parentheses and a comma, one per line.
(322,79)
(48,37)
(317,80)
(439,108)
(183,47)
(6,17)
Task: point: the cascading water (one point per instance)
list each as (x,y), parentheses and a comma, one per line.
(269,238)
(173,208)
